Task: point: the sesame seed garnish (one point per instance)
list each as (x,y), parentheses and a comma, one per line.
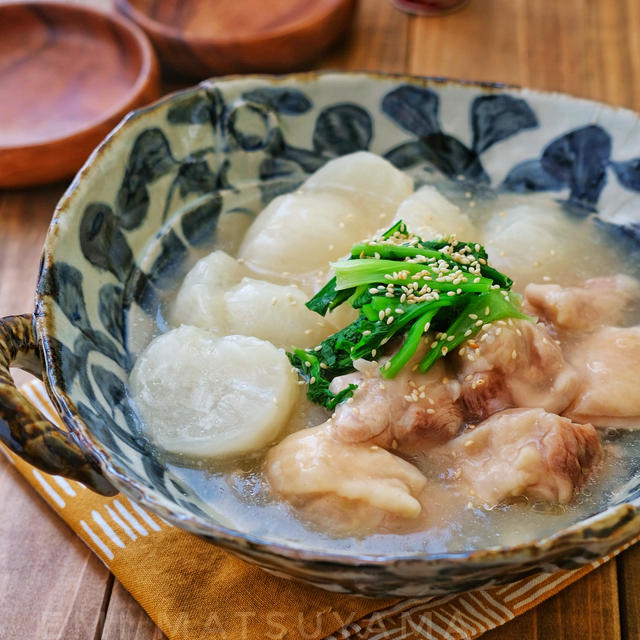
(431,411)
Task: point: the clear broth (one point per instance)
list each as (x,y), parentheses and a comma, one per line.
(235,493)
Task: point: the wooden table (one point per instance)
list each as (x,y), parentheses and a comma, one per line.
(52,586)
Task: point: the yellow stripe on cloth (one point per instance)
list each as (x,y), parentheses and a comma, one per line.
(195,591)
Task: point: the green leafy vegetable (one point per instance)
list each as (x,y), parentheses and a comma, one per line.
(403,287)
(309,367)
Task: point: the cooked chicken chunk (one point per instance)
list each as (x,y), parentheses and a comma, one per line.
(513,363)
(355,488)
(599,301)
(608,363)
(408,413)
(523,452)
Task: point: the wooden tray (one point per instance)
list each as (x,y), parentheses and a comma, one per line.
(67,75)
(200,38)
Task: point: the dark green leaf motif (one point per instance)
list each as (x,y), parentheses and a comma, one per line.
(529,176)
(342,128)
(110,298)
(150,158)
(497,117)
(199,224)
(415,109)
(102,242)
(286,101)
(168,266)
(195,176)
(628,173)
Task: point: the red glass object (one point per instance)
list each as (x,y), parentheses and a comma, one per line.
(429,7)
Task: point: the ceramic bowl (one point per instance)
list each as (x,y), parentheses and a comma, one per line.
(193,169)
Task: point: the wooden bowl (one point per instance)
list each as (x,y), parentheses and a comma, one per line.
(68,74)
(200,38)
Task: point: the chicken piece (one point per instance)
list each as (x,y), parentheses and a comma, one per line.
(354,488)
(599,301)
(523,452)
(408,413)
(608,363)
(513,363)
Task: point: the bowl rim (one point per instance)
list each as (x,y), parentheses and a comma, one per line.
(625,515)
(148,67)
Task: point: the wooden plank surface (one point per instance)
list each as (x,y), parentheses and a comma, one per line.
(58,589)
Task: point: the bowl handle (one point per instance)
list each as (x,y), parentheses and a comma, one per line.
(23,429)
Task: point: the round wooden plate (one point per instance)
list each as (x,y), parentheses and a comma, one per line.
(200,38)
(67,75)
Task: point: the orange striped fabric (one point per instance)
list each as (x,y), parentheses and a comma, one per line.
(195,591)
